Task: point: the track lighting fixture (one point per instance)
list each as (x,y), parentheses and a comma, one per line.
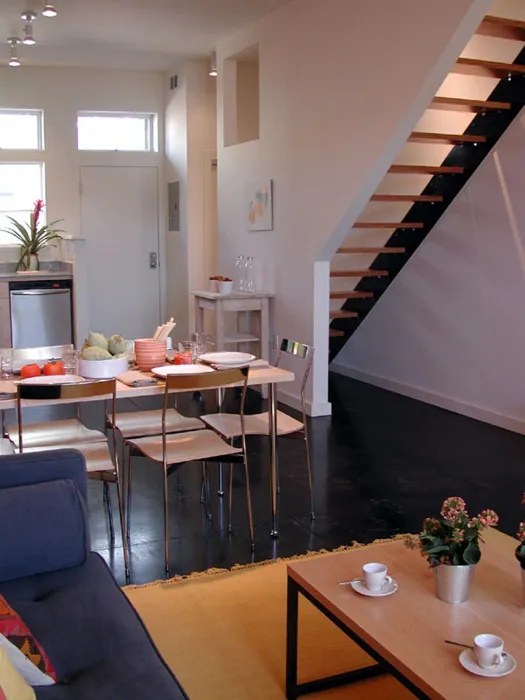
(14,59)
(49,10)
(28,17)
(213,65)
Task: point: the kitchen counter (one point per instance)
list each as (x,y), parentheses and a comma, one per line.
(50,270)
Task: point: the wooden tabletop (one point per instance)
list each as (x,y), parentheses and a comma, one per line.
(212,296)
(258,375)
(408,628)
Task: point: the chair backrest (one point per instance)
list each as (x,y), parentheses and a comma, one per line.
(105,388)
(300,350)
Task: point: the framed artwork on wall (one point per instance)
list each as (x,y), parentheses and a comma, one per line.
(259,206)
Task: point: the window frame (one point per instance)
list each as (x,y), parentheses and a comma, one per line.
(150,126)
(42,165)
(39,113)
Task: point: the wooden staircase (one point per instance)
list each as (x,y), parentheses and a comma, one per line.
(417,189)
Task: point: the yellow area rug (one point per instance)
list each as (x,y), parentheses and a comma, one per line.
(223,633)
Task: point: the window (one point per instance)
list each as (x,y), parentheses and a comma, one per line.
(21,184)
(21,129)
(116,131)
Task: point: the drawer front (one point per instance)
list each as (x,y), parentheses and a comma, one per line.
(241,304)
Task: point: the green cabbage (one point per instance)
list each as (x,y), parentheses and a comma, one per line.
(117,345)
(95,353)
(97,340)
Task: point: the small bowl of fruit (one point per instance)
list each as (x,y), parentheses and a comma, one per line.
(223,285)
(103,358)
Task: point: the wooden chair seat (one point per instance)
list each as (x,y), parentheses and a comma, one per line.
(229,424)
(185,447)
(50,434)
(145,423)
(96,454)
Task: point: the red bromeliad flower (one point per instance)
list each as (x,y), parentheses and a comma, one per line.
(521,533)
(39,205)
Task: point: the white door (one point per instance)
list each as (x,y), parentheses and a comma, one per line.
(119,218)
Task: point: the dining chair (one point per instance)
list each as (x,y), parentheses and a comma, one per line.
(100,465)
(173,449)
(69,430)
(228,425)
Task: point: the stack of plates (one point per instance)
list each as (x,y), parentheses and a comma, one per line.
(227,360)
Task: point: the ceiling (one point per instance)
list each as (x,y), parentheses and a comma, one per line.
(135,34)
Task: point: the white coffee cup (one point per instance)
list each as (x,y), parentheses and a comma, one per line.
(488,650)
(375,576)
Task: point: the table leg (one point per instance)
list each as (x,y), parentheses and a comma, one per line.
(292,610)
(219,326)
(221,468)
(272,416)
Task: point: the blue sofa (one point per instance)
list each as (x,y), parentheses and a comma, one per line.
(65,593)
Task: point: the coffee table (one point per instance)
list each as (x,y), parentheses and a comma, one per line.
(405,633)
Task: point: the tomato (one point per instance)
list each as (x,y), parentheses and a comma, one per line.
(182,358)
(28,371)
(54,367)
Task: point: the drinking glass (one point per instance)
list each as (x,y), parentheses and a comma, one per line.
(187,352)
(70,360)
(202,342)
(240,274)
(6,363)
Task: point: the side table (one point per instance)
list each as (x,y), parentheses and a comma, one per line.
(237,302)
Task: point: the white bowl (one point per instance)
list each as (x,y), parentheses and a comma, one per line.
(213,286)
(225,287)
(102,369)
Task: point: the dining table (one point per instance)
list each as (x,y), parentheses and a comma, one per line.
(258,376)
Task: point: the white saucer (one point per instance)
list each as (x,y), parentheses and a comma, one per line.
(54,379)
(181,369)
(468,661)
(388,588)
(227,358)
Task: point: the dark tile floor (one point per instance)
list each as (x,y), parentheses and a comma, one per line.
(382,463)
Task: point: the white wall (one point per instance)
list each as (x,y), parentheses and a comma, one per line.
(341,86)
(191,147)
(450,330)
(61,92)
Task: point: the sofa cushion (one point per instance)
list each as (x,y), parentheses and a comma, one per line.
(58,510)
(94,638)
(12,685)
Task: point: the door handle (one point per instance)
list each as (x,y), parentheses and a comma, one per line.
(153,263)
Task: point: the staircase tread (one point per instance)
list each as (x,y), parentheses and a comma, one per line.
(406,198)
(436,136)
(353,294)
(344,314)
(371,249)
(473,104)
(427,169)
(502,28)
(359,273)
(388,224)
(493,66)
(335,333)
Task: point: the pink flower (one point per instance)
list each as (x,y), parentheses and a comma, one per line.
(458,536)
(452,508)
(39,205)
(488,518)
(521,532)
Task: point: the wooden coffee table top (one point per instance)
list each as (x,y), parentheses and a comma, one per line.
(408,628)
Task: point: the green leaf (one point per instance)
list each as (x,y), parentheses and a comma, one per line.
(472,553)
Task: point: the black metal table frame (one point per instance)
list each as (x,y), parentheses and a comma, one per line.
(295,690)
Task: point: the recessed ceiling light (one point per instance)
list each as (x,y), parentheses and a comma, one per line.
(14,60)
(49,10)
(213,65)
(28,17)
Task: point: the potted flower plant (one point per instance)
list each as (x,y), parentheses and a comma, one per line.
(32,238)
(520,550)
(451,546)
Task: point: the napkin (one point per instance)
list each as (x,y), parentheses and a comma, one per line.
(136,378)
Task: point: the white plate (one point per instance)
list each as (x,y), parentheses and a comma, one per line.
(180,369)
(54,379)
(388,588)
(227,358)
(468,661)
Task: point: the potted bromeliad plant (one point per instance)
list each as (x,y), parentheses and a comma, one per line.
(450,543)
(33,237)
(520,550)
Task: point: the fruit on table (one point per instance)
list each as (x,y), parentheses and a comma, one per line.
(96,353)
(218,278)
(97,340)
(117,345)
(29,371)
(54,367)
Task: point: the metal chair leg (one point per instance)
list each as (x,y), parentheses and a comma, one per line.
(202,490)
(230,499)
(249,504)
(166,524)
(309,469)
(207,491)
(109,510)
(123,531)
(179,482)
(128,506)
(221,480)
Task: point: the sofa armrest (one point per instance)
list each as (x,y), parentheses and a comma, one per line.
(43,513)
